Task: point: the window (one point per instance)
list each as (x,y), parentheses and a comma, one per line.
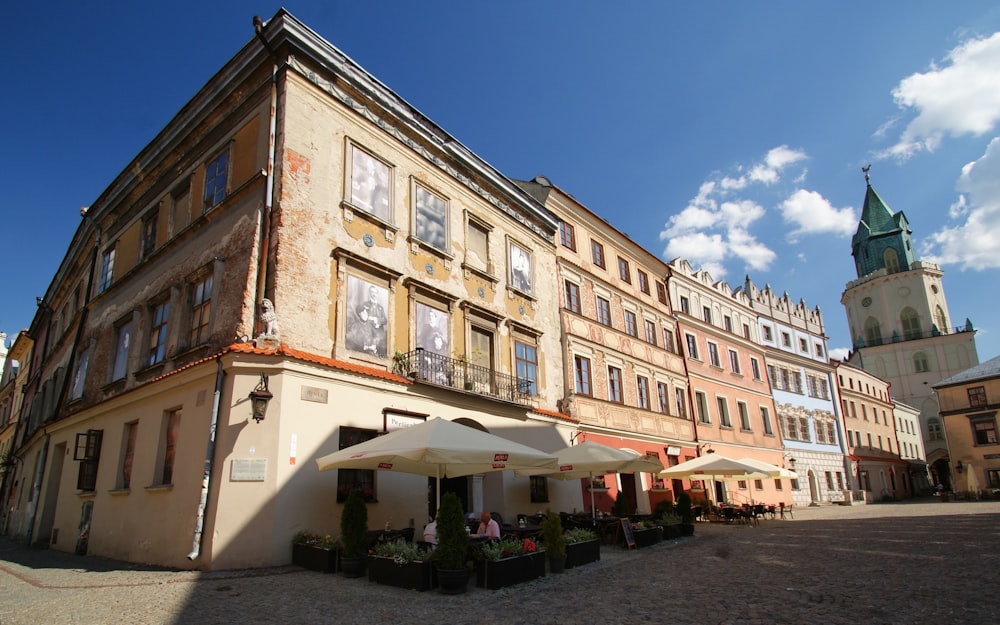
(692,346)
(786,339)
(80,375)
(123,340)
(216,179)
(734,361)
(873,332)
(539,485)
(727,322)
(88,454)
(911,323)
(920,363)
(597,253)
(724,419)
(477,252)
(521,271)
(107,270)
(934,432)
(158,333)
(977,396)
(662,396)
(643,281)
(755,368)
(804,346)
(201,311)
(661,293)
(615,385)
(768,336)
(630,324)
(701,402)
(361,480)
(642,392)
(668,340)
(581,368)
(128,454)
(804,429)
(567,235)
(148,236)
(650,332)
(681,403)
(370,185)
(623,271)
(706,314)
(684,304)
(744,413)
(526,360)
(180,208)
(572,297)
(765,419)
(819,354)
(746,331)
(984,430)
(168,446)
(713,354)
(431,217)
(603,311)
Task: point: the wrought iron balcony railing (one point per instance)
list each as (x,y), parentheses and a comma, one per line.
(425,366)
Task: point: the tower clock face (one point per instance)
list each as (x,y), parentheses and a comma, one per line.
(866,302)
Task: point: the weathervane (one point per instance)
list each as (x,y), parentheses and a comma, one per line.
(866,170)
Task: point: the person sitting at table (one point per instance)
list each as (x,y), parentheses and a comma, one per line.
(431,533)
(488,528)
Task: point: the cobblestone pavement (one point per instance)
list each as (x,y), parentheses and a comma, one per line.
(917,563)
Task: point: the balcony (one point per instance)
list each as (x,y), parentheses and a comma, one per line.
(427,367)
(896,337)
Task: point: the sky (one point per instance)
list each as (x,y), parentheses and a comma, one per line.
(730,133)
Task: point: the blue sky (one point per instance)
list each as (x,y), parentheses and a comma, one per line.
(730,133)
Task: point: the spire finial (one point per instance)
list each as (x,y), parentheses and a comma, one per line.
(866,169)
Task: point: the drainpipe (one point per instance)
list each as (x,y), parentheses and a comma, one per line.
(206,476)
(265,226)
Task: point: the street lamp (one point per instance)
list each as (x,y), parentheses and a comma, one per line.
(259,398)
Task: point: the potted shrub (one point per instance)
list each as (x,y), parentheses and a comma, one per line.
(582,547)
(354,535)
(507,562)
(554,541)
(401,563)
(646,533)
(451,552)
(686,513)
(316,552)
(620,507)
(671,524)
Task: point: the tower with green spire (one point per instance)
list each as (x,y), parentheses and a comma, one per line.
(882,240)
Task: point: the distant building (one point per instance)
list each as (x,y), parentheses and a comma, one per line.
(969,404)
(900,325)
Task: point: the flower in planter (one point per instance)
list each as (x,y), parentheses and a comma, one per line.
(401,551)
(322,541)
(579,535)
(529,546)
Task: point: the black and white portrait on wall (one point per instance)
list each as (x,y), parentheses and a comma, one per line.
(431,216)
(369,184)
(366,317)
(520,268)
(432,329)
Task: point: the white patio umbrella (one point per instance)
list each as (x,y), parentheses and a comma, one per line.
(438,448)
(589,459)
(770,470)
(713,467)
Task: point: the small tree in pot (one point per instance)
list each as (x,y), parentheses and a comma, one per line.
(354,535)
(554,541)
(452,548)
(686,513)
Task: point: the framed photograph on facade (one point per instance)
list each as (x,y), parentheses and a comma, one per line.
(370,188)
(520,267)
(432,329)
(367,319)
(430,217)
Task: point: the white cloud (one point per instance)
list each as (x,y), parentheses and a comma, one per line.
(838,353)
(974,243)
(745,246)
(960,98)
(691,218)
(813,214)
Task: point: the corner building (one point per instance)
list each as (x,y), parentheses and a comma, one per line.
(300,234)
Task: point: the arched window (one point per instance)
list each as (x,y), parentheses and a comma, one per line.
(873,332)
(920,364)
(891,260)
(941,320)
(911,323)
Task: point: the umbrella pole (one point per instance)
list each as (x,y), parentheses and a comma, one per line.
(437,491)
(590,487)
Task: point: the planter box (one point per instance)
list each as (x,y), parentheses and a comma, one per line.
(494,574)
(671,532)
(412,575)
(581,553)
(647,537)
(316,558)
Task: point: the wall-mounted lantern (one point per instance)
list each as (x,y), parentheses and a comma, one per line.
(259,398)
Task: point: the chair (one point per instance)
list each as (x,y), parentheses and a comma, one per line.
(788,511)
